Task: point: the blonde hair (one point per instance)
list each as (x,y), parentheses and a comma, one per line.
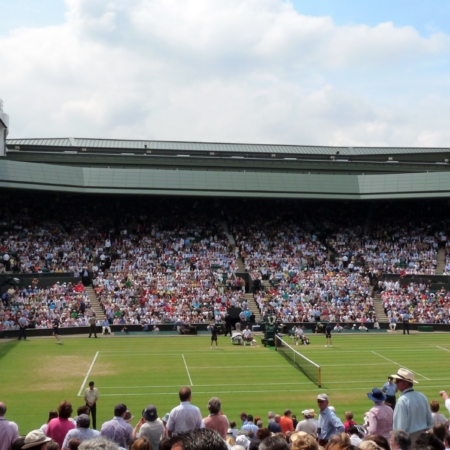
(305,443)
(141,444)
(230,440)
(348,415)
(369,445)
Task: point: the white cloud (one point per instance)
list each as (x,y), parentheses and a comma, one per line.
(216,70)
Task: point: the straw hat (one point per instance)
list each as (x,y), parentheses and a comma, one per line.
(405,375)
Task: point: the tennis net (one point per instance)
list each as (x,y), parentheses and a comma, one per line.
(309,368)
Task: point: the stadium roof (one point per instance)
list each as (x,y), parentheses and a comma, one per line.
(220,147)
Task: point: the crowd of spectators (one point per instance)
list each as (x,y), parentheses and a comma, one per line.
(389,424)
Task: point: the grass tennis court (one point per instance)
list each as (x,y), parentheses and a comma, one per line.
(37,374)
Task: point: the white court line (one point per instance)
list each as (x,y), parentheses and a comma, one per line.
(89,371)
(187,370)
(249,392)
(446,349)
(401,365)
(177,354)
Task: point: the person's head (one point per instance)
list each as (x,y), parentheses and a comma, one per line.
(64,410)
(249,418)
(259,423)
(185,394)
(404,379)
(277,418)
(18,444)
(391,380)
(141,444)
(36,440)
(348,415)
(379,440)
(83,410)
(434,406)
(120,410)
(287,413)
(52,445)
(447,440)
(352,430)
(199,439)
(439,431)
(341,437)
(263,433)
(232,424)
(214,405)
(243,417)
(274,443)
(2,409)
(230,440)
(400,440)
(91,385)
(73,444)
(322,401)
(98,443)
(332,445)
(304,442)
(369,445)
(243,441)
(270,415)
(83,421)
(150,414)
(52,415)
(429,440)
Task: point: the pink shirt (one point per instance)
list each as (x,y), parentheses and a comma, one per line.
(381,420)
(58,428)
(9,432)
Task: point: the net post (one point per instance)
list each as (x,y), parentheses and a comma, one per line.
(320,377)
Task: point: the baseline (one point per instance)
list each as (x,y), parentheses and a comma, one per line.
(86,377)
(400,365)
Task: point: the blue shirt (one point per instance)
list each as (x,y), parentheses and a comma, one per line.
(329,424)
(250,426)
(390,389)
(412,412)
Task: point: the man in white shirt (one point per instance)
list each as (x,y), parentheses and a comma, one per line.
(91,397)
(184,417)
(82,432)
(9,431)
(307,425)
(247,336)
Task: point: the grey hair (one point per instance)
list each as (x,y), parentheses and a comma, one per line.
(214,405)
(271,415)
(98,443)
(402,439)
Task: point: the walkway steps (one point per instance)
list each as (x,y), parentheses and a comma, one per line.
(440,262)
(95,305)
(253,306)
(379,310)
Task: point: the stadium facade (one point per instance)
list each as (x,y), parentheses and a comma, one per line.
(224,170)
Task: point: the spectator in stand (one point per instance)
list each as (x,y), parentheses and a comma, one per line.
(274,443)
(51,415)
(199,439)
(150,427)
(354,435)
(381,416)
(99,443)
(117,429)
(250,426)
(9,431)
(81,432)
(275,427)
(439,431)
(329,423)
(184,417)
(36,440)
(303,442)
(400,440)
(306,425)
(348,420)
(446,399)
(437,416)
(216,421)
(286,422)
(243,417)
(446,441)
(429,440)
(106,329)
(59,427)
(412,412)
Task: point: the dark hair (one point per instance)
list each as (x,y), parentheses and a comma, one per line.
(434,406)
(379,440)
(274,443)
(53,445)
(200,439)
(263,433)
(439,431)
(18,444)
(250,418)
(429,440)
(165,443)
(352,430)
(447,438)
(64,410)
(91,383)
(402,439)
(83,410)
(131,441)
(119,410)
(52,415)
(254,444)
(232,424)
(185,393)
(2,410)
(73,443)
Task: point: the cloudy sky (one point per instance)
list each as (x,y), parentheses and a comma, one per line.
(317,72)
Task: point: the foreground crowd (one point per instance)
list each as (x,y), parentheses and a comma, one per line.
(404,424)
